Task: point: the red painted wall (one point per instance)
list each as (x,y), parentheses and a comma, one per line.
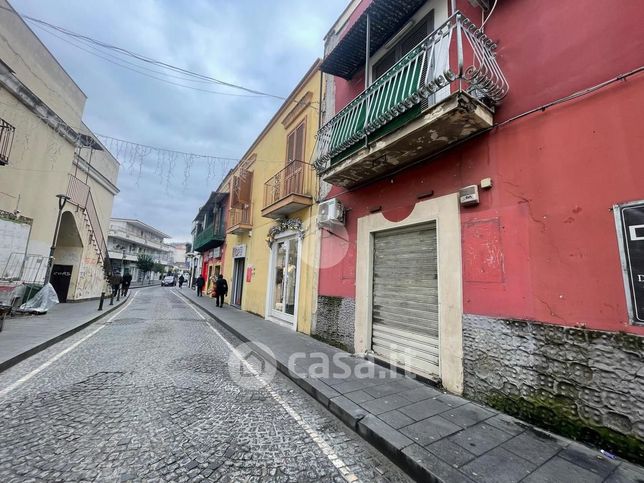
(542,244)
(547,52)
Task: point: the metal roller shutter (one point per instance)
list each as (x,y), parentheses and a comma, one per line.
(405,298)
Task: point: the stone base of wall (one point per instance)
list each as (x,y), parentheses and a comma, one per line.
(335,322)
(583,384)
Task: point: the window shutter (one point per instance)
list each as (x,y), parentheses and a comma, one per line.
(299,143)
(245,188)
(290,147)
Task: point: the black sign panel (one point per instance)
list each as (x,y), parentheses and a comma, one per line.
(632,217)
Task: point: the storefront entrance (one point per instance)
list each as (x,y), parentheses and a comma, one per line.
(238,282)
(405,298)
(283,281)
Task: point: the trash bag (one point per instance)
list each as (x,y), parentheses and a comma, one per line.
(40,303)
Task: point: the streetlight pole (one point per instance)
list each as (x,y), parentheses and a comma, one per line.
(62,201)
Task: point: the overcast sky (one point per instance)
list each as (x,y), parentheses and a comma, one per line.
(264,45)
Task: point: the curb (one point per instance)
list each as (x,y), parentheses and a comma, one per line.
(387,440)
(48,343)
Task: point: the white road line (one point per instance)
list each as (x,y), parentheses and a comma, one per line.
(45,365)
(333,457)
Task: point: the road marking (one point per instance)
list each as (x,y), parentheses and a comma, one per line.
(45,365)
(332,456)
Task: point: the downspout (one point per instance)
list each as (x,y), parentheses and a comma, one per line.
(366,72)
(453,7)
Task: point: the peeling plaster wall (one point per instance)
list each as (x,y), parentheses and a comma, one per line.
(335,322)
(585,384)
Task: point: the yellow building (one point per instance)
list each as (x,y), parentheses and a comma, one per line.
(271,242)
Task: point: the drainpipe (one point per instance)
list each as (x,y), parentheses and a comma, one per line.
(453,7)
(366,70)
(367,51)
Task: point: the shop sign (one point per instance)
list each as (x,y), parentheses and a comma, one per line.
(630,222)
(216,252)
(239,251)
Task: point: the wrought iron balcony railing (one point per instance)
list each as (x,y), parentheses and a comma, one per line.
(239,216)
(6,141)
(457,54)
(295,179)
(211,233)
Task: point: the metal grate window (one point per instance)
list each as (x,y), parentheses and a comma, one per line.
(6,141)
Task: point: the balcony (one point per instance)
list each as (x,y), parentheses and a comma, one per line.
(212,236)
(6,141)
(289,190)
(239,221)
(440,93)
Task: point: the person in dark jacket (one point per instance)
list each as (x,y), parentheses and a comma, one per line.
(181,280)
(200,283)
(125,284)
(222,290)
(115,282)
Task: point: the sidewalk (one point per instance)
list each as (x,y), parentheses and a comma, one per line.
(435,436)
(26,335)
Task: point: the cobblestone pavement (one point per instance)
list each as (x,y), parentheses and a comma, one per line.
(148,396)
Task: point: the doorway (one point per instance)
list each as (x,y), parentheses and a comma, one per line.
(283,283)
(238,282)
(61,277)
(404,306)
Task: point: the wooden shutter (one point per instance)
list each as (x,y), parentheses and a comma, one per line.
(241,192)
(295,143)
(299,142)
(245,187)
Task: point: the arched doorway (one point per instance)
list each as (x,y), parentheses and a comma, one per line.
(67,257)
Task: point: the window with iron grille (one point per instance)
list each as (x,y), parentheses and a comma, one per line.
(6,141)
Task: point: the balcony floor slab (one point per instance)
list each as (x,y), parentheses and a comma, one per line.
(454,119)
(286,206)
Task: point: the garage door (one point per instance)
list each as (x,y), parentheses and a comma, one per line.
(405,298)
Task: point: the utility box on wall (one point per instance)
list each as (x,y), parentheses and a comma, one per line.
(469,196)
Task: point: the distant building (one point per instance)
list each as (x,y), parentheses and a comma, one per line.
(179,259)
(127,239)
(46,150)
(209,237)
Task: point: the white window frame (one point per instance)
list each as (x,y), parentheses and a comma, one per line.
(284,320)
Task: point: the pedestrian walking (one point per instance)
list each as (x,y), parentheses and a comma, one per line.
(115,282)
(200,283)
(181,280)
(125,284)
(222,290)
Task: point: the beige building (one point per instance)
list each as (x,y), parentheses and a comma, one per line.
(45,151)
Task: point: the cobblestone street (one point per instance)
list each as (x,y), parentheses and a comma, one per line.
(146,394)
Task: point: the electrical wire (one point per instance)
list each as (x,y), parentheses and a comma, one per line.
(118,63)
(126,52)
